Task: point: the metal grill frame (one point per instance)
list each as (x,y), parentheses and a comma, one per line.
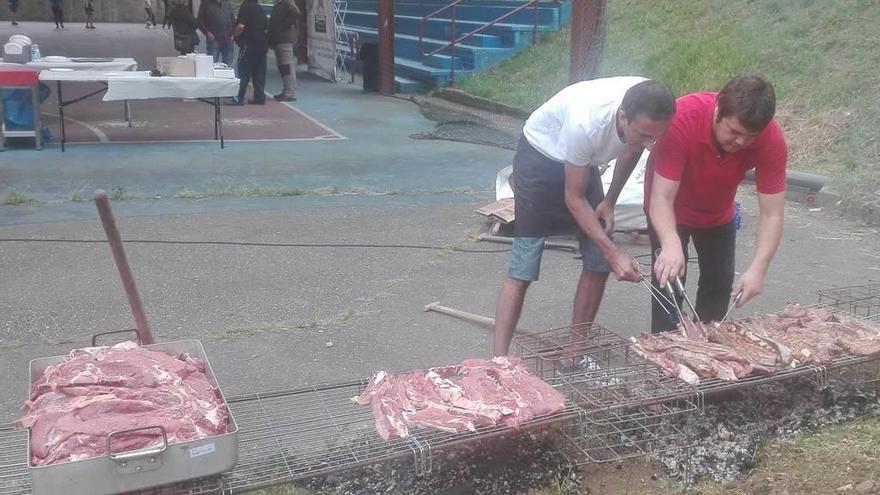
(615,377)
(618,435)
(860,301)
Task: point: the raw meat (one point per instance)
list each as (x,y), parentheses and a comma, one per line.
(475,394)
(98,390)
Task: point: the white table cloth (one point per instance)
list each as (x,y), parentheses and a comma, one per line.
(84,63)
(139,85)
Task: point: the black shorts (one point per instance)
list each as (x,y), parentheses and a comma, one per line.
(539,194)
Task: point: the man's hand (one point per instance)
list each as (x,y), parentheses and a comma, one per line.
(750,284)
(669,264)
(210,37)
(605,213)
(625,267)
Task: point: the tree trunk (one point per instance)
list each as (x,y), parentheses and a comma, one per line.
(587,38)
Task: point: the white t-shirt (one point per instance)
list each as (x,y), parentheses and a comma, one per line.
(578,125)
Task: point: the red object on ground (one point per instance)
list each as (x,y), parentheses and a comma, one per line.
(475,394)
(19,76)
(98,390)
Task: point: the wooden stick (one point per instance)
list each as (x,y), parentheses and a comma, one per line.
(484,321)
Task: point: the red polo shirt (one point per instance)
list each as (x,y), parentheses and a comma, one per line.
(709,178)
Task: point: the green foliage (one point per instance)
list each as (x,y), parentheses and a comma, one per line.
(821,56)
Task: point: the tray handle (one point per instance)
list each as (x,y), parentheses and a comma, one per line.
(130,330)
(137,454)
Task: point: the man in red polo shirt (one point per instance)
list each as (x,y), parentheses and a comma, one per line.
(692,178)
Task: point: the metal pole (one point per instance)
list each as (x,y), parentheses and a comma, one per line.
(134,300)
(535,24)
(587,38)
(386,46)
(454,37)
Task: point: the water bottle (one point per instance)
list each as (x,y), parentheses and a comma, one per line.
(737,218)
(35,52)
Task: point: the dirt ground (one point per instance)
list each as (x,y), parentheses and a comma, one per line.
(839,459)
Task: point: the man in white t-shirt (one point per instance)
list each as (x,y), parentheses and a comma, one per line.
(557,186)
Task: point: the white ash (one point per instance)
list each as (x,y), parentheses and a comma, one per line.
(727,436)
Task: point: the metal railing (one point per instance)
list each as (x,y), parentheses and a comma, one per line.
(453,41)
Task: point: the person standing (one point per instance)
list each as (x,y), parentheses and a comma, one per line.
(217,22)
(13,10)
(151,17)
(166,10)
(690,187)
(557,187)
(250,32)
(57,7)
(283,36)
(183,25)
(90,14)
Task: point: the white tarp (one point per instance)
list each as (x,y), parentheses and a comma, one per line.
(322,38)
(628,214)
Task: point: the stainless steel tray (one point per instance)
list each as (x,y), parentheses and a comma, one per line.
(118,472)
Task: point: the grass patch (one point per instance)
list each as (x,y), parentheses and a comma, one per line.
(17,199)
(821,57)
(230,189)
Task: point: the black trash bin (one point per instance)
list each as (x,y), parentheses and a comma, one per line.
(370,67)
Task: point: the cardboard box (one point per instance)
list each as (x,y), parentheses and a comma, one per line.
(176,66)
(204,65)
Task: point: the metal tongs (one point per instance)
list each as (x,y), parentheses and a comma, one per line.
(730,307)
(680,287)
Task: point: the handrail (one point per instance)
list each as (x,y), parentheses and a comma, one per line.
(431,15)
(454,41)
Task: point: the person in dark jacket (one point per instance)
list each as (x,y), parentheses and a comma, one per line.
(13,9)
(250,35)
(183,25)
(217,23)
(283,36)
(166,20)
(57,7)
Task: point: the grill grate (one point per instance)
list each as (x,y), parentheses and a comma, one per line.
(289,436)
(857,300)
(618,435)
(609,374)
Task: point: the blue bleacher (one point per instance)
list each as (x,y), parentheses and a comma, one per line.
(416,72)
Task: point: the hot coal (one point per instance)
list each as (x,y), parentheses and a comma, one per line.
(727,436)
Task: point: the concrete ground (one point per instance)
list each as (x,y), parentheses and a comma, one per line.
(318,287)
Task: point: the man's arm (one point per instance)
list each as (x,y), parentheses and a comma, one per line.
(771,212)
(203,25)
(576,181)
(623,167)
(670,262)
(241,20)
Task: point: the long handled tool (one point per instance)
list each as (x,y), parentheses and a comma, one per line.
(134,299)
(484,321)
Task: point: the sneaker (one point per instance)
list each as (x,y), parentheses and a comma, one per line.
(256,102)
(235,101)
(284,97)
(14,23)
(147,26)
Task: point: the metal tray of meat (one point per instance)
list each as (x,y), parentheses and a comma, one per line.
(118,472)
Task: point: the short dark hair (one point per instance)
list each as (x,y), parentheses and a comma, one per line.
(650,98)
(749,98)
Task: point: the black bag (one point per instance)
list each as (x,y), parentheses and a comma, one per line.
(184,42)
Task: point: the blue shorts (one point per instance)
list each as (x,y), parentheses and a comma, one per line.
(524,262)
